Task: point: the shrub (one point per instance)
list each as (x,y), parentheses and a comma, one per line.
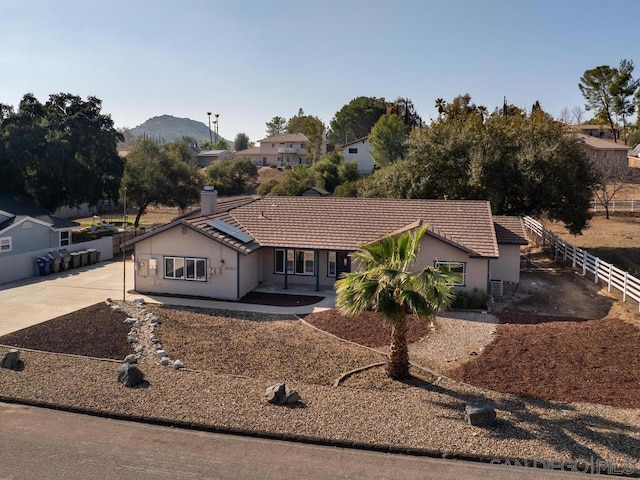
(470,300)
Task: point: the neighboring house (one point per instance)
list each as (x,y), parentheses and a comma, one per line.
(204,158)
(597,131)
(230,249)
(634,157)
(287,149)
(26,227)
(315,192)
(599,150)
(510,235)
(360,151)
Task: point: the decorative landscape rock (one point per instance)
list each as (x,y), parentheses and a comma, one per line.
(130,375)
(177,364)
(10,359)
(130,320)
(116,309)
(280,394)
(479,415)
(131,358)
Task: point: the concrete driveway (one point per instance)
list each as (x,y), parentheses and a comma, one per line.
(38,299)
(35,300)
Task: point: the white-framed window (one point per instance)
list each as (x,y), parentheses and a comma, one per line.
(5,244)
(65,238)
(459,268)
(331,264)
(299,262)
(185,268)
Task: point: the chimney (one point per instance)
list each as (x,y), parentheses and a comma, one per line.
(208,200)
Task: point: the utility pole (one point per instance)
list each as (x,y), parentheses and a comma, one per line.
(124,250)
(210,134)
(216,124)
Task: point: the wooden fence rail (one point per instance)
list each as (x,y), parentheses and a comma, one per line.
(583,261)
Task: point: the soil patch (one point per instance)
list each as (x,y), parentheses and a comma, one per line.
(95,331)
(367,328)
(592,361)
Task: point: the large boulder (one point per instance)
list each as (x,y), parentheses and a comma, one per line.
(130,375)
(479,415)
(10,359)
(280,394)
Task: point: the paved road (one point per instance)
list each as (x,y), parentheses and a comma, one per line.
(41,443)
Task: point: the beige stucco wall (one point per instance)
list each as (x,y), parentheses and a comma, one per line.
(477,269)
(221,277)
(507,267)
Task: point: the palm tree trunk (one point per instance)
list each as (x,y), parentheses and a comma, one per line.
(398,363)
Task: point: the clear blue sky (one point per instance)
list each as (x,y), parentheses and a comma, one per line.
(250,60)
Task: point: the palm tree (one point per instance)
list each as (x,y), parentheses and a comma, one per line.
(384,284)
(440,106)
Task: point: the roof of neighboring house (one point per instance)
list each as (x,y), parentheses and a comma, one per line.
(635,152)
(600,143)
(18,207)
(358,140)
(510,230)
(222,204)
(338,223)
(589,126)
(249,151)
(212,152)
(315,191)
(286,137)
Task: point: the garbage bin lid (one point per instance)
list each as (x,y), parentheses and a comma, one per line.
(64,252)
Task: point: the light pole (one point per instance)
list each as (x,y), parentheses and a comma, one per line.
(216,123)
(210,134)
(124,251)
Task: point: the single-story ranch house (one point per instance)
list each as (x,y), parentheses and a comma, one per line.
(231,246)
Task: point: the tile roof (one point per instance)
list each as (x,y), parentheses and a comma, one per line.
(286,137)
(601,144)
(335,223)
(510,230)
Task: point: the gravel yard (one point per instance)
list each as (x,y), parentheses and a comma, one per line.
(231,358)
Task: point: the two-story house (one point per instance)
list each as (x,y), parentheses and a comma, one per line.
(286,149)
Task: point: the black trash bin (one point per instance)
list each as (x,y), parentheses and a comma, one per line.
(84,258)
(98,253)
(43,266)
(75,259)
(93,255)
(65,262)
(56,261)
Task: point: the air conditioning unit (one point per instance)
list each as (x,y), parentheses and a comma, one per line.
(497,288)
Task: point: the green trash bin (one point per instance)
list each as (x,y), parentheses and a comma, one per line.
(84,258)
(75,259)
(93,255)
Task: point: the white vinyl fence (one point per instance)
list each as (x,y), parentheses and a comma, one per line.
(580,259)
(617,206)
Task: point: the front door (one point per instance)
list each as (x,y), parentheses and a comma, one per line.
(343,263)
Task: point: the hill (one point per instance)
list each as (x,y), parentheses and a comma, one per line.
(167,128)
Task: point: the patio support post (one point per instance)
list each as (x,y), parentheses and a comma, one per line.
(316,258)
(286,268)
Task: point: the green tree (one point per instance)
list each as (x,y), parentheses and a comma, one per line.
(312,128)
(220,144)
(241,142)
(178,150)
(623,89)
(355,119)
(63,152)
(441,105)
(154,177)
(388,138)
(232,177)
(276,126)
(297,180)
(595,85)
(406,110)
(384,283)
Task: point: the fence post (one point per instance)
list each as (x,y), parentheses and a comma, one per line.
(573,256)
(595,274)
(584,263)
(610,274)
(624,288)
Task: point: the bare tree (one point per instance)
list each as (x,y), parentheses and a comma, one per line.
(578,114)
(614,177)
(565,116)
